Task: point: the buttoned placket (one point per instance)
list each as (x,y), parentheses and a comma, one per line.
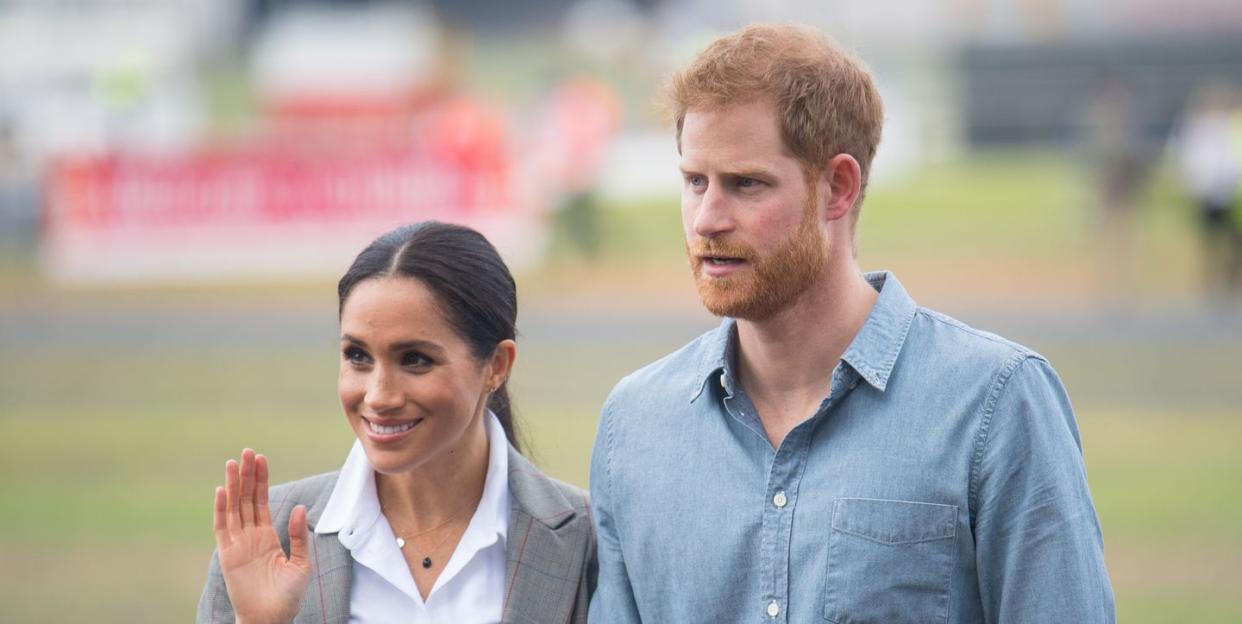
(780,500)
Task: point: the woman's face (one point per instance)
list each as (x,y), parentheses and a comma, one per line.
(410,386)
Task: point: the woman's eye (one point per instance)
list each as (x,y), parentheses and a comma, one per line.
(415,360)
(356,356)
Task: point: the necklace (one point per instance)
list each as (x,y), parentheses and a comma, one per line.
(427,563)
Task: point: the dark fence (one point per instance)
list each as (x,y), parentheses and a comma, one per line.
(1042,94)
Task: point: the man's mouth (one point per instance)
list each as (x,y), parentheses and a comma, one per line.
(722,260)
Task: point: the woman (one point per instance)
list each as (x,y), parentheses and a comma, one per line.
(435,516)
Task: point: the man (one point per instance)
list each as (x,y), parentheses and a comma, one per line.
(831,452)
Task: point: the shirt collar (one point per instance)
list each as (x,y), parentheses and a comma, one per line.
(354,504)
(717,350)
(493,510)
(872,353)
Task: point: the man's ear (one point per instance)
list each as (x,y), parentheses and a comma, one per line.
(840,184)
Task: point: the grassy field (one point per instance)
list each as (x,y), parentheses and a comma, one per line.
(117,409)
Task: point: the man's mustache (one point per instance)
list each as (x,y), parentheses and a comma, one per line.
(720,248)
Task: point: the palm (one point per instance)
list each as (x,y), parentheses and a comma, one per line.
(263,584)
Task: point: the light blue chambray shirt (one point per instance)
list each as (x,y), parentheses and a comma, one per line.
(941,480)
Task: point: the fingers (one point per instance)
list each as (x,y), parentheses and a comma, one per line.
(297,535)
(232,493)
(243,501)
(218,525)
(262,515)
(246,504)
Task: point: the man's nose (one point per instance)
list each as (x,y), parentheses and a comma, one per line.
(714,215)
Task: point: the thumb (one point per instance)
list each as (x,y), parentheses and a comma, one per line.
(298,554)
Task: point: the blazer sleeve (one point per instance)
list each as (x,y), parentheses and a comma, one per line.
(214,606)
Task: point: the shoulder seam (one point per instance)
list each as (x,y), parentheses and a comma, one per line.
(608,447)
(951,322)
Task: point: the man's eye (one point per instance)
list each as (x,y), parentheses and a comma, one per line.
(696,180)
(747,182)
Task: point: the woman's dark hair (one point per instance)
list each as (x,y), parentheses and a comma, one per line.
(471,283)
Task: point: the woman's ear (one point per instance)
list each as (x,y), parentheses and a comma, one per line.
(501,363)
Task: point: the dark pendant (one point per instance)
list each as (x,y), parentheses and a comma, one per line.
(427,563)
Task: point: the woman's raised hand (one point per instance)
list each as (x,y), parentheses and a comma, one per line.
(264,585)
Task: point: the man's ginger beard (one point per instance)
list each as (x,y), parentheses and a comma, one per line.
(769,283)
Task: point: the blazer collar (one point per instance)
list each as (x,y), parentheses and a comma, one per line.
(533,493)
(314,511)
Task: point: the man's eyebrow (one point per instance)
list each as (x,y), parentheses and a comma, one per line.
(742,171)
(751,172)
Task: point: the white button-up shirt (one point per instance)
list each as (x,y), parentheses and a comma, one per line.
(471,587)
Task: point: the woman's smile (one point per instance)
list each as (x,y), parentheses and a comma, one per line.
(389,431)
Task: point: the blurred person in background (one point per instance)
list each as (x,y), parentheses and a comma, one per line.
(576,124)
(1208,146)
(832,451)
(1115,149)
(435,516)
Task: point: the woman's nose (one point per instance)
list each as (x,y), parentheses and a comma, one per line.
(383,393)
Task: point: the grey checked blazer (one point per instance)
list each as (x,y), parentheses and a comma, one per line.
(550,567)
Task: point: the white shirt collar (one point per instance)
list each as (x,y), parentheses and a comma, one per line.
(353,510)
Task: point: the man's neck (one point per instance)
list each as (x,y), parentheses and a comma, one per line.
(785,362)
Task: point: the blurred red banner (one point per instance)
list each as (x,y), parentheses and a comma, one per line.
(269,213)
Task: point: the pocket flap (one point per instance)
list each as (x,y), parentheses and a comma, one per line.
(893,521)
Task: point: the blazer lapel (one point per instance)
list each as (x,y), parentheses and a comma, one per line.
(327,598)
(545,548)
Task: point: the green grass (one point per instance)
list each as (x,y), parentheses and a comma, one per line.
(1158,475)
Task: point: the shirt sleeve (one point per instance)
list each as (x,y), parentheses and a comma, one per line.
(613,602)
(1039,551)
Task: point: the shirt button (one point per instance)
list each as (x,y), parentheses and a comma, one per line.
(780,501)
(773,609)
(722,384)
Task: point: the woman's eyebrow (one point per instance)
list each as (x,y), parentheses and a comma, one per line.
(419,345)
(405,345)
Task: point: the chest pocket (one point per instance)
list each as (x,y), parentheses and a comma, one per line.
(889,561)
